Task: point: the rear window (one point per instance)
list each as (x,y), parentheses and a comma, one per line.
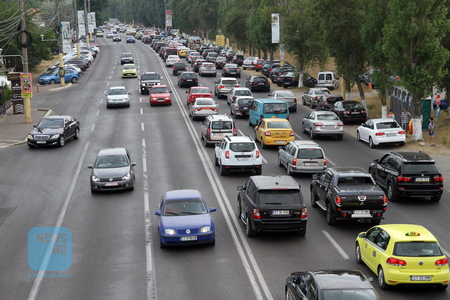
(349,294)
(278,125)
(354,180)
(222,125)
(334,99)
(420,168)
(417,249)
(260,79)
(275,108)
(201,91)
(229,82)
(279,197)
(205,102)
(243,93)
(352,105)
(327,117)
(245,102)
(310,153)
(242,147)
(387,125)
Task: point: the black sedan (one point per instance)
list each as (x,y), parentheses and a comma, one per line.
(258,83)
(329,284)
(349,111)
(54,131)
(112,171)
(187,79)
(231,70)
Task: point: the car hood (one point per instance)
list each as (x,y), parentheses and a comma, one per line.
(49,131)
(190,221)
(111,172)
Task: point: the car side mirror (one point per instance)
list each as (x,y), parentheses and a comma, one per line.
(315,177)
(158,213)
(133,164)
(212,209)
(362,235)
(90,166)
(241,188)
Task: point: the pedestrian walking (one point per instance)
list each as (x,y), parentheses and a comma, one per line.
(404,117)
(391,114)
(431,128)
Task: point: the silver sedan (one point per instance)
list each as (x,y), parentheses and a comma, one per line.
(203,107)
(323,123)
(207,68)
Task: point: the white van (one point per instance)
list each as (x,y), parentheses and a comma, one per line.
(327,79)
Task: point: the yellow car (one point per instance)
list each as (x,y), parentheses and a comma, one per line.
(129,70)
(182,52)
(403,254)
(274,131)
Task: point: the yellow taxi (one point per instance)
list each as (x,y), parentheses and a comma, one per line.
(403,254)
(182,52)
(129,70)
(274,131)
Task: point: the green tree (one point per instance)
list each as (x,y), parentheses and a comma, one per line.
(413,37)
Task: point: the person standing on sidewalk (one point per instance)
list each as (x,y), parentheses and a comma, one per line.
(391,114)
(404,117)
(431,128)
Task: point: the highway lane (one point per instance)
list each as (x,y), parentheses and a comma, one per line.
(109,251)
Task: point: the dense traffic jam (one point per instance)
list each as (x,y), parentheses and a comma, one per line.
(398,254)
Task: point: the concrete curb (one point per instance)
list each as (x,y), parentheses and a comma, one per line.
(60,88)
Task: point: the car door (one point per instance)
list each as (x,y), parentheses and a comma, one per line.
(69,127)
(364,130)
(307,121)
(383,168)
(367,247)
(322,186)
(259,130)
(284,154)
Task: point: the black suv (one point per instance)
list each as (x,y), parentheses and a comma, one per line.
(147,80)
(408,174)
(271,203)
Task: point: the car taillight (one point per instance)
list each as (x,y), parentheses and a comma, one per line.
(256,214)
(174,68)
(257,154)
(304,213)
(318,124)
(316,98)
(402,178)
(292,133)
(438,178)
(384,200)
(441,262)
(295,100)
(234,131)
(221,86)
(380,133)
(198,109)
(294,162)
(266,82)
(337,200)
(267,133)
(346,112)
(208,132)
(363,111)
(340,124)
(214,109)
(227,154)
(395,262)
(324,162)
(196,79)
(402,132)
(182,79)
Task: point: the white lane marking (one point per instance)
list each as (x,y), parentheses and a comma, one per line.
(329,161)
(264,160)
(110,77)
(107,84)
(335,245)
(142,126)
(298,137)
(98,112)
(151,279)
(142,111)
(240,241)
(93,127)
(43,268)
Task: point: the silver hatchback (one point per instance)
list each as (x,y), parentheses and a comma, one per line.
(301,156)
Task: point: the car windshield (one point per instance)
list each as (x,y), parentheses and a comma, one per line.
(417,249)
(111,161)
(327,117)
(310,153)
(243,93)
(126,55)
(232,66)
(128,67)
(278,125)
(51,123)
(201,91)
(117,92)
(160,90)
(349,294)
(50,72)
(205,102)
(278,197)
(352,105)
(229,81)
(275,108)
(387,125)
(354,180)
(150,77)
(242,147)
(184,207)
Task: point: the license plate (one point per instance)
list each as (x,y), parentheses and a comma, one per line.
(261,83)
(310,164)
(232,73)
(329,126)
(355,112)
(280,212)
(391,134)
(420,278)
(242,158)
(188,238)
(189,80)
(40,142)
(280,142)
(361,212)
(423,179)
(111,184)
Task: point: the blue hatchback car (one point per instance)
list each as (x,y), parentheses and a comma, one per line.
(52,76)
(184,219)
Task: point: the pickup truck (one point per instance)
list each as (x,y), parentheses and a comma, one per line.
(347,193)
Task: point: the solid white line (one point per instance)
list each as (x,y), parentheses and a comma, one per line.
(151,279)
(335,245)
(43,268)
(93,127)
(263,159)
(242,246)
(142,126)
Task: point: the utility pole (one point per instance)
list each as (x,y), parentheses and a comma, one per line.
(77,34)
(26,100)
(86,20)
(58,26)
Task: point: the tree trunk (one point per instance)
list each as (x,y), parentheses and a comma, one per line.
(417,118)
(362,96)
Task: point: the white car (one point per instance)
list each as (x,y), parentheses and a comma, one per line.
(171,60)
(117,96)
(249,62)
(238,92)
(381,131)
(203,107)
(238,153)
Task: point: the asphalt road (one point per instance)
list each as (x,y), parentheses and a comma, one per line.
(115,250)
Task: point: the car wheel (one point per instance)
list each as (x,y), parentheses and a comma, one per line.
(313,199)
(77,134)
(263,146)
(248,228)
(161,244)
(238,209)
(31,146)
(303,128)
(216,161)
(249,122)
(358,137)
(53,81)
(258,171)
(391,194)
(358,254)
(436,198)
(215,94)
(340,137)
(223,170)
(61,141)
(303,101)
(442,287)
(132,188)
(381,282)
(331,217)
(371,144)
(74,80)
(401,144)
(311,134)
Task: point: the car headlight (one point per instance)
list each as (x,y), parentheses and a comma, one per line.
(30,137)
(205,229)
(169,231)
(95,178)
(55,136)
(126,177)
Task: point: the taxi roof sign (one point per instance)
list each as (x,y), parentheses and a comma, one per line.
(412,233)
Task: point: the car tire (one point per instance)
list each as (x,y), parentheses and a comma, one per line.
(76,136)
(53,81)
(435,198)
(371,144)
(249,122)
(313,199)
(442,287)
(401,144)
(391,194)
(73,80)
(263,146)
(216,161)
(303,101)
(31,146)
(248,228)
(258,171)
(381,281)
(238,209)
(61,141)
(223,170)
(311,134)
(358,254)
(330,216)
(358,137)
(303,128)
(340,137)
(161,244)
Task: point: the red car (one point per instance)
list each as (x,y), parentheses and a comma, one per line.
(160,95)
(259,64)
(198,92)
